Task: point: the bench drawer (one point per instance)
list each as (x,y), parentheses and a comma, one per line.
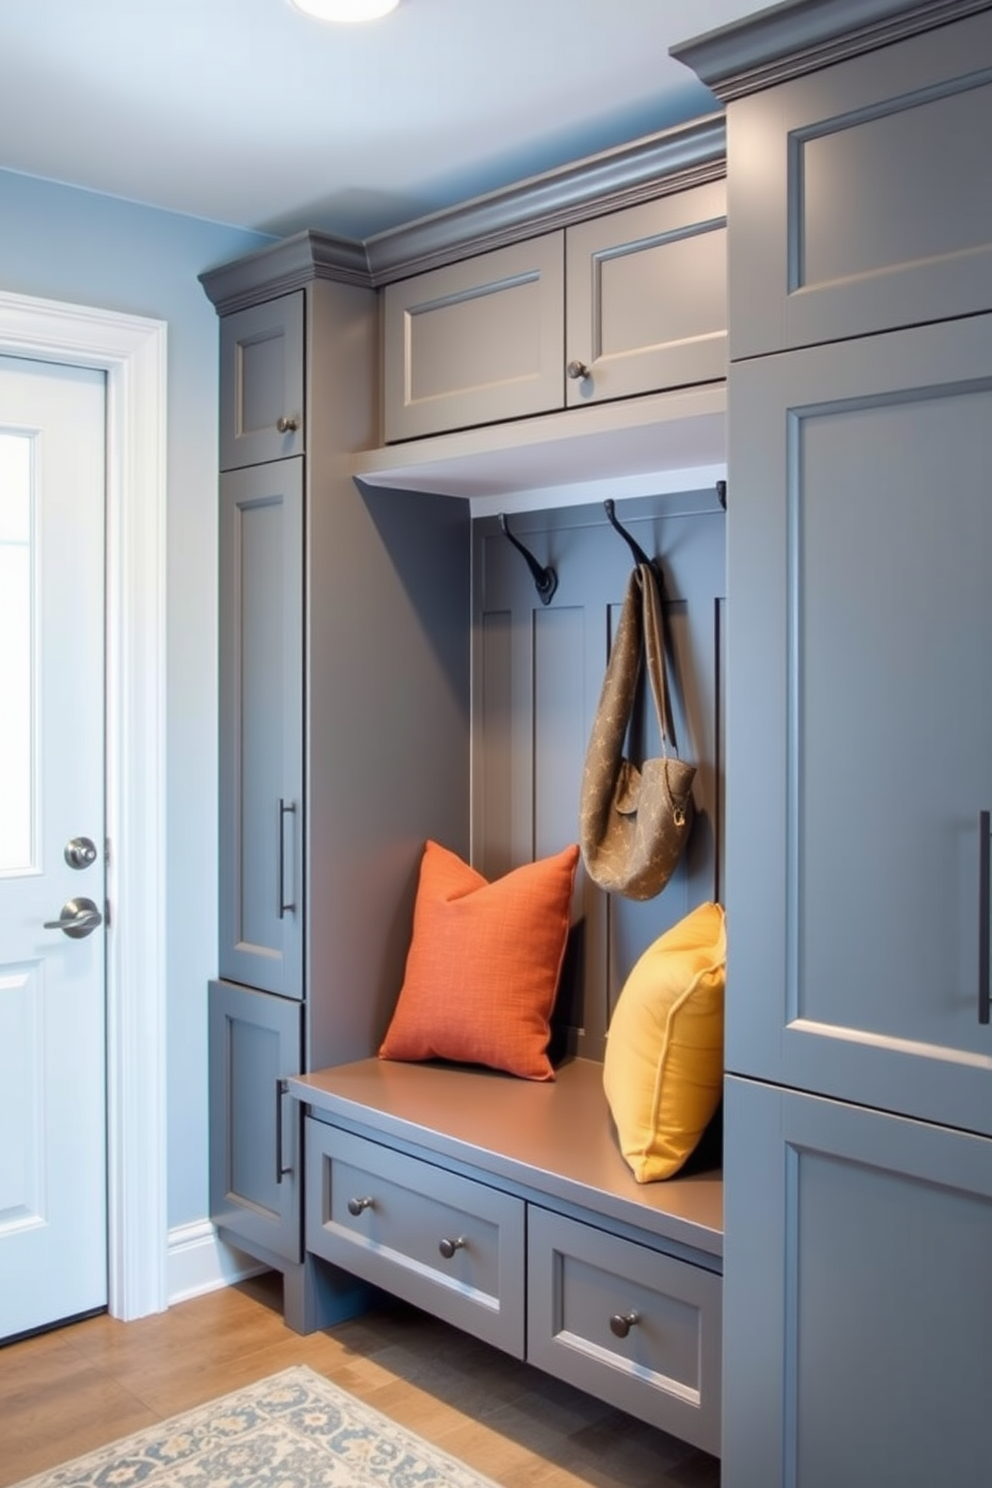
(447,1244)
(666,1369)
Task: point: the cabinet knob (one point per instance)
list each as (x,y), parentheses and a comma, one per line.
(355,1206)
(287,425)
(577,371)
(621,1323)
(448,1247)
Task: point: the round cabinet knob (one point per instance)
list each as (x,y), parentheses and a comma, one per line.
(621,1323)
(355,1206)
(577,371)
(448,1247)
(287,425)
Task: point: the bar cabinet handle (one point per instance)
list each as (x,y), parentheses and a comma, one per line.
(282,1089)
(984,989)
(286,808)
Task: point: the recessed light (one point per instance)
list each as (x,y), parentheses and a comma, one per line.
(345,10)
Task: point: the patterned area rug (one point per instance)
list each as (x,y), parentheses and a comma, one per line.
(293,1430)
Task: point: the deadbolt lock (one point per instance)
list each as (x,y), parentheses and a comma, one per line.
(80,852)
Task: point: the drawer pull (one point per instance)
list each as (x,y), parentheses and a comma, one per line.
(621,1323)
(287,425)
(577,371)
(355,1206)
(448,1247)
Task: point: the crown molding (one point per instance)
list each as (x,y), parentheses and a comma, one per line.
(790,40)
(657,165)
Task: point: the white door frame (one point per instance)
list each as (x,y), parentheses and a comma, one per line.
(132,352)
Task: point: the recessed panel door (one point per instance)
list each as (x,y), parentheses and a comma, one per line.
(53,1221)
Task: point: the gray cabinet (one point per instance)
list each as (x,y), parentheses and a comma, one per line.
(623,1322)
(261,382)
(858,581)
(860,196)
(261,726)
(857,1304)
(858,1112)
(322,667)
(630,302)
(256,1178)
(503,1206)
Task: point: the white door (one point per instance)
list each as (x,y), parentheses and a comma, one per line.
(53,1169)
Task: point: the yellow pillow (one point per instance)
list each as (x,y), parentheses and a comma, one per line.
(663,1069)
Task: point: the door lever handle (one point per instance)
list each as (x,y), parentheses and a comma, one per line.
(77,919)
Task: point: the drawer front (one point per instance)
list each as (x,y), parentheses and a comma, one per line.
(860,197)
(408,1214)
(647,297)
(666,1370)
(475,342)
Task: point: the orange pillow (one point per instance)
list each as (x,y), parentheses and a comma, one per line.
(483,966)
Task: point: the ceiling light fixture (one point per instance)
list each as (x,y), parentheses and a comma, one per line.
(345,10)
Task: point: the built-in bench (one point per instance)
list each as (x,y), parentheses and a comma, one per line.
(505,1206)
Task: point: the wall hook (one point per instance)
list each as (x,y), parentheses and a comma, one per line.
(639,554)
(545,578)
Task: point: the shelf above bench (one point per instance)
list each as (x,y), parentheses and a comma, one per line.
(664,442)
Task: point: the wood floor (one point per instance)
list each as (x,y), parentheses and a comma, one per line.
(66,1392)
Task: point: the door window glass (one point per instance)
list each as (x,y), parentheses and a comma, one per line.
(17,732)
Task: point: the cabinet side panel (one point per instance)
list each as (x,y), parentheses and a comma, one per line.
(388,693)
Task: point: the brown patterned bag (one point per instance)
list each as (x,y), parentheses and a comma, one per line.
(634,821)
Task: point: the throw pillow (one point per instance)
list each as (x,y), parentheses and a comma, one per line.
(663,1068)
(483,965)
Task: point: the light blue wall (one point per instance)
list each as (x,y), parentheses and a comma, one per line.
(63,244)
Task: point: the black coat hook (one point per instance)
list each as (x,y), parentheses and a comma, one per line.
(545,578)
(639,554)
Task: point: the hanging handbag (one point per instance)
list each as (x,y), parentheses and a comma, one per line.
(634,821)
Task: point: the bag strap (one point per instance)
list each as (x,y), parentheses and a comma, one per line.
(654,649)
(639,639)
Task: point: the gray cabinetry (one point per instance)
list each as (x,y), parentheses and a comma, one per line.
(630,302)
(859,584)
(858,1112)
(636,1328)
(646,301)
(261,382)
(860,197)
(321,823)
(261,726)
(449,1244)
(255,1159)
(502,1205)
(857,1303)
(476,341)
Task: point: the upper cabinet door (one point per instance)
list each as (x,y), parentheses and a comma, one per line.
(860,196)
(476,342)
(860,719)
(647,297)
(261,383)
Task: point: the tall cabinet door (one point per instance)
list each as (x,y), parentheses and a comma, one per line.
(860,720)
(856,1302)
(255,1137)
(261,727)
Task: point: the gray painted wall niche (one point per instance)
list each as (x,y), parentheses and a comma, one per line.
(537,672)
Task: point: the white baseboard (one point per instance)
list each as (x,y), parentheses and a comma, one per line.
(198,1262)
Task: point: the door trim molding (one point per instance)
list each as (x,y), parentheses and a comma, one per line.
(131,350)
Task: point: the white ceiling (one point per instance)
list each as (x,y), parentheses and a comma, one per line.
(247,113)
